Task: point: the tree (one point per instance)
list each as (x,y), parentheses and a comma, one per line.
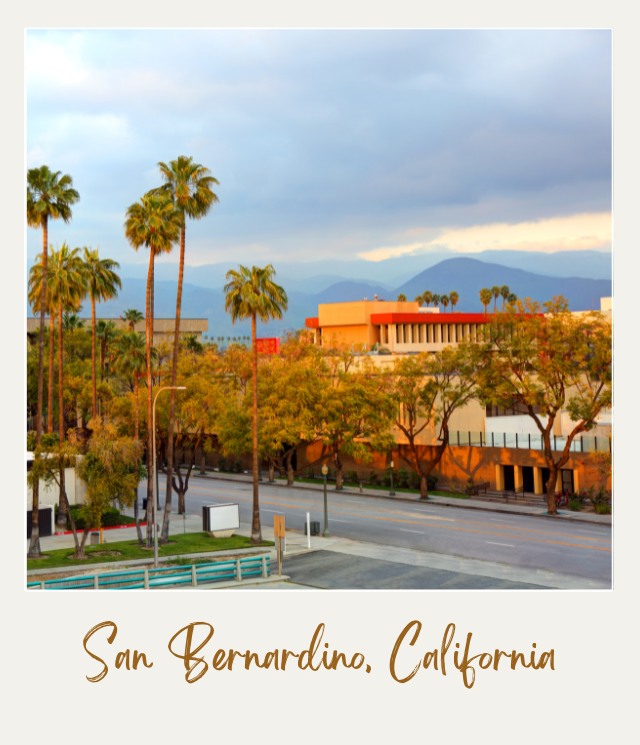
(505,292)
(427,389)
(495,294)
(110,469)
(130,361)
(105,332)
(444,299)
(189,186)
(50,196)
(131,317)
(402,298)
(67,290)
(252,293)
(485,298)
(454,298)
(154,223)
(548,363)
(435,299)
(102,284)
(355,412)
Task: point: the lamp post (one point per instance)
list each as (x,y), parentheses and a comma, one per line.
(154,501)
(325,471)
(391,492)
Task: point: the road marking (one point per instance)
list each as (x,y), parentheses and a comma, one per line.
(406,530)
(495,543)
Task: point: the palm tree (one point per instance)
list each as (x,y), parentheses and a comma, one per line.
(49,197)
(485,297)
(454,297)
(35,298)
(102,284)
(131,317)
(130,361)
(504,291)
(106,332)
(68,287)
(71,322)
(252,293)
(427,297)
(435,299)
(444,299)
(512,298)
(495,294)
(154,223)
(402,298)
(189,186)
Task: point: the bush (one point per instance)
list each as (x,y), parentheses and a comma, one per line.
(403,478)
(601,501)
(351,477)
(431,482)
(373,478)
(110,517)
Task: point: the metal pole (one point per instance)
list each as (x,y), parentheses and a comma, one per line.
(308,531)
(391,492)
(326,516)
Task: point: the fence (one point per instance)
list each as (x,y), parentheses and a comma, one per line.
(582,444)
(167,577)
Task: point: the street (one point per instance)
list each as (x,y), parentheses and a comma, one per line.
(516,542)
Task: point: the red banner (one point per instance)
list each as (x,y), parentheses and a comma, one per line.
(269,345)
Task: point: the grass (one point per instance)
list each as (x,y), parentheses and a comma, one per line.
(375,487)
(178,544)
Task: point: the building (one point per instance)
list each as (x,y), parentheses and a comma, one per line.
(502,448)
(163,328)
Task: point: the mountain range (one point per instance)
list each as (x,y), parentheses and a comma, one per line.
(581,277)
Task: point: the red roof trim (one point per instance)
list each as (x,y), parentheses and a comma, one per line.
(432,318)
(312,323)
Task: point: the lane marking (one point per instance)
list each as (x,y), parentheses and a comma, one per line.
(495,543)
(407,530)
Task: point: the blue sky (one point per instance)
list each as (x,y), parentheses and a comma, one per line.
(331,143)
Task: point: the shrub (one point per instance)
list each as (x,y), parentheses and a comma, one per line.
(351,477)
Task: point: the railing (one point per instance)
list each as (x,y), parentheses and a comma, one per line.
(171,576)
(582,444)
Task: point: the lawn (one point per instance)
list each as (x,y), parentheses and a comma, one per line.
(178,544)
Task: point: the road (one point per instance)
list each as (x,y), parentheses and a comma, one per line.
(528,542)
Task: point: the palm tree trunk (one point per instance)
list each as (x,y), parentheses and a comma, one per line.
(34,542)
(63,508)
(50,387)
(136,513)
(150,434)
(94,385)
(172,394)
(256,531)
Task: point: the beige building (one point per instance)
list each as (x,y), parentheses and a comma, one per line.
(163,328)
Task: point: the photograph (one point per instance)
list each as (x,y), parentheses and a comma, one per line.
(317,377)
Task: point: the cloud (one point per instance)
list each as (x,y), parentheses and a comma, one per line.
(571,233)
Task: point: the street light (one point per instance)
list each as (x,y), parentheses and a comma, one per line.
(391,492)
(154,480)
(325,471)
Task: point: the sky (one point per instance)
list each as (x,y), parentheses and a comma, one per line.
(334,144)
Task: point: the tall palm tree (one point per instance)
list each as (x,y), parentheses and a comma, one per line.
(402,298)
(427,297)
(189,186)
(454,297)
(68,287)
(131,317)
(152,222)
(102,284)
(435,299)
(49,197)
(35,298)
(106,332)
(485,298)
(130,361)
(495,294)
(444,299)
(252,293)
(504,291)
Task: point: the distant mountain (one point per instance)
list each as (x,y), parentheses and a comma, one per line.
(316,276)
(468,276)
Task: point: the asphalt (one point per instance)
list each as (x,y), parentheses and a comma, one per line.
(340,563)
